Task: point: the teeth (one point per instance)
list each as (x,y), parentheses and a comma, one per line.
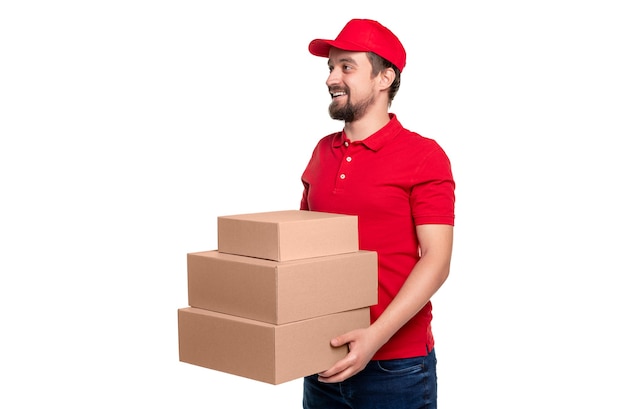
(337,94)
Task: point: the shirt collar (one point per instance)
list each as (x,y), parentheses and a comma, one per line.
(379,138)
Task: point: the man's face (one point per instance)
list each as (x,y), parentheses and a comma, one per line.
(350,84)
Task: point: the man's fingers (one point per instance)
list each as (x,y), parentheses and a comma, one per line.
(342,339)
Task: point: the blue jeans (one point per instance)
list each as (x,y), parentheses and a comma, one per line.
(409,383)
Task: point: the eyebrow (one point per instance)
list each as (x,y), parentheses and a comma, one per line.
(345,59)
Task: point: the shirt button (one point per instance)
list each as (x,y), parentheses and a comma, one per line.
(346,143)
(342,176)
(349,159)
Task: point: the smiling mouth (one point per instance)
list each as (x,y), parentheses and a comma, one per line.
(337,94)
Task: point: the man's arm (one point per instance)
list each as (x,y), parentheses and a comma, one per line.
(428,275)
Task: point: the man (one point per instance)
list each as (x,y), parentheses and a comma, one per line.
(400,186)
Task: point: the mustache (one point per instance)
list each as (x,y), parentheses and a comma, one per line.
(338,89)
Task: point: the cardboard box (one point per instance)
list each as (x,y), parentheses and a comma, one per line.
(265,352)
(278,292)
(287,234)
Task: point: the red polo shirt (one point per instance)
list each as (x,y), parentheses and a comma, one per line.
(393,180)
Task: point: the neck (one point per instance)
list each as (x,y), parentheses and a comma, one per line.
(366,126)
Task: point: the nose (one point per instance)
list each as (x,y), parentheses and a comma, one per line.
(333,78)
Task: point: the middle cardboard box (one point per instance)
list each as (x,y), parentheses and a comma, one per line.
(279,292)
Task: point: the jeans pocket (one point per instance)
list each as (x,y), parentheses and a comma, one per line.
(401,366)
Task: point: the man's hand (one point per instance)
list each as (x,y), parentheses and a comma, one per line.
(362,345)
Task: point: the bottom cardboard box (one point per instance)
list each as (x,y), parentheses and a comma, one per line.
(261,351)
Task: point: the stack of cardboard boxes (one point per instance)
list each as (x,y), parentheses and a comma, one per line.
(279,287)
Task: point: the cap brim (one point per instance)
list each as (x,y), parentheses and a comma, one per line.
(321,47)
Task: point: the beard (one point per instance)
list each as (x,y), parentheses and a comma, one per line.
(349,112)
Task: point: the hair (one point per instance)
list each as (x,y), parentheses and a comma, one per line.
(379,64)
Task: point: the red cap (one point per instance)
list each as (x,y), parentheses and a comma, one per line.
(364,35)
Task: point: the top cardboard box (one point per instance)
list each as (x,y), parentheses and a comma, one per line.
(287,234)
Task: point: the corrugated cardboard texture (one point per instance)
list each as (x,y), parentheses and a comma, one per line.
(287,234)
(280,292)
(265,352)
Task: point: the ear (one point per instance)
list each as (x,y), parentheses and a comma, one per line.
(386,78)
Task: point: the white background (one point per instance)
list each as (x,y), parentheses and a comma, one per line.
(128,127)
